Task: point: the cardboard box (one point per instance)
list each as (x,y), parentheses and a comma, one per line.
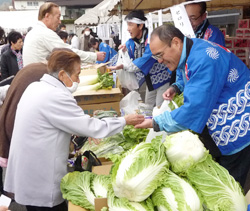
(242,52)
(247,33)
(240,32)
(241,42)
(107,100)
(99,202)
(244,23)
(229,41)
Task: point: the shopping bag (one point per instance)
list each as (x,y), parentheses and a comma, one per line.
(85,161)
(127,79)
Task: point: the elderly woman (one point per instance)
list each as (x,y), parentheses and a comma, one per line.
(47,115)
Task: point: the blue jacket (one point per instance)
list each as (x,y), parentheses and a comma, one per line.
(158,73)
(216,86)
(110,52)
(210,33)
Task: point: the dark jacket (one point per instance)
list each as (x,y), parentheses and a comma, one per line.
(24,77)
(9,64)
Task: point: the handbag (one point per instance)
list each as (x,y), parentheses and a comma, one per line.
(85,161)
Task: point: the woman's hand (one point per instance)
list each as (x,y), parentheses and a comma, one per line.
(117,67)
(134,119)
(95,140)
(123,47)
(3,208)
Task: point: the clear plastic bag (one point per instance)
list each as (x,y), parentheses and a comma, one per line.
(128,79)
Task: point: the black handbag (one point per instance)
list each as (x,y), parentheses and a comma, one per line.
(85,161)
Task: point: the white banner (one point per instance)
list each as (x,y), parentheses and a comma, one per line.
(181,20)
(160,17)
(150,26)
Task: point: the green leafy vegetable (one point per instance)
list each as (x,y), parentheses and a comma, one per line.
(100,185)
(105,81)
(75,187)
(219,189)
(176,194)
(183,150)
(133,136)
(139,171)
(178,99)
(123,204)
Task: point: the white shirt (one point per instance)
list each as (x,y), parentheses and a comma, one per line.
(46,116)
(75,42)
(40,42)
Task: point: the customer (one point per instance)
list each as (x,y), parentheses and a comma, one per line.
(146,68)
(197,13)
(42,39)
(84,40)
(216,93)
(111,54)
(40,147)
(12,60)
(63,35)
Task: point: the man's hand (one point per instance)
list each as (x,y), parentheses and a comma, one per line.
(169,94)
(100,56)
(147,123)
(123,47)
(117,67)
(134,119)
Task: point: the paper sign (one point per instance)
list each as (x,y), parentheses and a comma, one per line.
(160,17)
(181,20)
(5,201)
(150,26)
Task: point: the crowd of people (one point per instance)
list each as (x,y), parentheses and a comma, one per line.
(39,114)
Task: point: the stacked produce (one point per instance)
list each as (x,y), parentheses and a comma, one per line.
(177,175)
(95,82)
(117,144)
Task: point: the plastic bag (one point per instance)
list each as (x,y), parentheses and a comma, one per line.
(127,79)
(130,103)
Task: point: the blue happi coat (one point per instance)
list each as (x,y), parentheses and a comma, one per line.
(216,86)
(158,73)
(211,33)
(111,54)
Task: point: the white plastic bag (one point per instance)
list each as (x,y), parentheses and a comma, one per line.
(128,79)
(130,103)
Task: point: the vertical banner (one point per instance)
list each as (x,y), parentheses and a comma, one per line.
(181,20)
(150,25)
(160,17)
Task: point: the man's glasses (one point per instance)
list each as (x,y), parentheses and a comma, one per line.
(192,19)
(159,55)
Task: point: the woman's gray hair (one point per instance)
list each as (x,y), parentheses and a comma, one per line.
(166,33)
(54,74)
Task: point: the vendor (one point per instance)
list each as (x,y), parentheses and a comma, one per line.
(46,116)
(111,54)
(146,68)
(215,84)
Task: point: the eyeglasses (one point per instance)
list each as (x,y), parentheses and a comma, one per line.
(192,19)
(159,55)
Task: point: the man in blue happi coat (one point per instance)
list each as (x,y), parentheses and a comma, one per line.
(216,88)
(202,28)
(146,68)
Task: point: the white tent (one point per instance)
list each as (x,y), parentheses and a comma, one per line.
(18,20)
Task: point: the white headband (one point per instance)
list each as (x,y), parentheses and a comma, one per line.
(136,20)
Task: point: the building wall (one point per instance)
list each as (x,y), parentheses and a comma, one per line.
(27,5)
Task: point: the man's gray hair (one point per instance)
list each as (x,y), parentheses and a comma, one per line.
(166,33)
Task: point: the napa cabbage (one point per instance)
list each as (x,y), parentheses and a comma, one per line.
(139,171)
(176,194)
(100,185)
(76,187)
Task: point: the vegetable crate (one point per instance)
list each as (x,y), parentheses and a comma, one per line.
(108,100)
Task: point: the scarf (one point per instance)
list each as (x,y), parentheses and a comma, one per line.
(19,58)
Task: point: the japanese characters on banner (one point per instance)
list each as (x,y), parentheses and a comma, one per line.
(160,17)
(181,20)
